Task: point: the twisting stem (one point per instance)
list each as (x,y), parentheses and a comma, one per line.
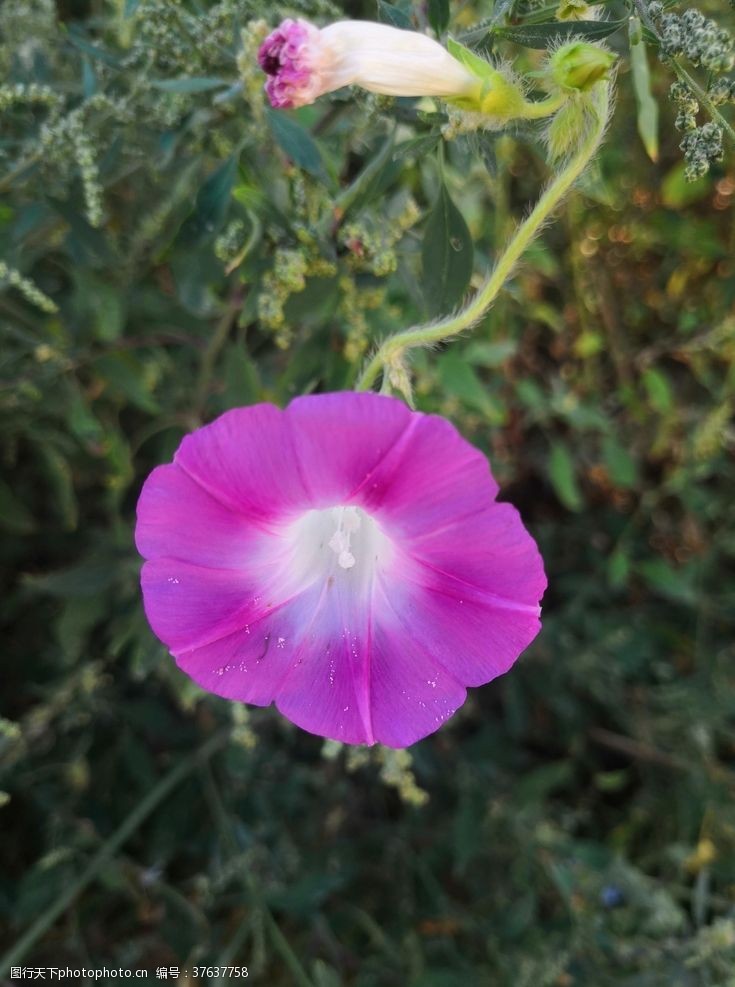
(544,107)
(392,348)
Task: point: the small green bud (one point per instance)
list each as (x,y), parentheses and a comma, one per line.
(578,65)
(497,94)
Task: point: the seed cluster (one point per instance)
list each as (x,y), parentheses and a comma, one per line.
(706,45)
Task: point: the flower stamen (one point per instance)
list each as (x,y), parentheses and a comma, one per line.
(348,522)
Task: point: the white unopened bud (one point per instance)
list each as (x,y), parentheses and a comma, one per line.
(304,62)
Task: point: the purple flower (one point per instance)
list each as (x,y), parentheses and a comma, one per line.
(304,61)
(344,558)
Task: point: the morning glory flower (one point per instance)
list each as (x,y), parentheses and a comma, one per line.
(304,62)
(344,558)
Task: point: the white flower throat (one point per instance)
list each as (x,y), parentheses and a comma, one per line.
(342,541)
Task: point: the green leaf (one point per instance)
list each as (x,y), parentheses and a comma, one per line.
(80,420)
(212,203)
(564,478)
(369,185)
(676,584)
(677,192)
(484,29)
(296,142)
(130,7)
(417,147)
(537,785)
(241,378)
(658,389)
(439,15)
(14,515)
(101,54)
(618,568)
(60,479)
(126,377)
(192,84)
(647,113)
(491,354)
(91,577)
(105,304)
(388,13)
(89,80)
(620,464)
(447,254)
(461,380)
(542,35)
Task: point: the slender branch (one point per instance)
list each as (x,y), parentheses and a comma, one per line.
(209,358)
(123,833)
(251,885)
(393,348)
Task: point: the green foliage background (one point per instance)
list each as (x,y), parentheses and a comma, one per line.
(195,251)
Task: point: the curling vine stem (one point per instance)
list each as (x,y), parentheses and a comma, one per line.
(395,346)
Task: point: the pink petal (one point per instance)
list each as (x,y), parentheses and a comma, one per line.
(178,518)
(188,605)
(342,438)
(489,549)
(475,635)
(250,663)
(432,478)
(412,692)
(247,461)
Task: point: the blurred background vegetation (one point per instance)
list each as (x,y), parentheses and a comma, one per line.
(170,248)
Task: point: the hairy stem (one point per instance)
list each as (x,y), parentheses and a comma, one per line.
(426,335)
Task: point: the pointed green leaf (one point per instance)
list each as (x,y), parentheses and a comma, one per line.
(541,35)
(564,478)
(439,15)
(447,255)
(647,115)
(212,202)
(388,13)
(14,515)
(191,84)
(296,142)
(621,466)
(461,380)
(416,147)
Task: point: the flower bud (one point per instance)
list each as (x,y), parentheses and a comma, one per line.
(578,65)
(304,62)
